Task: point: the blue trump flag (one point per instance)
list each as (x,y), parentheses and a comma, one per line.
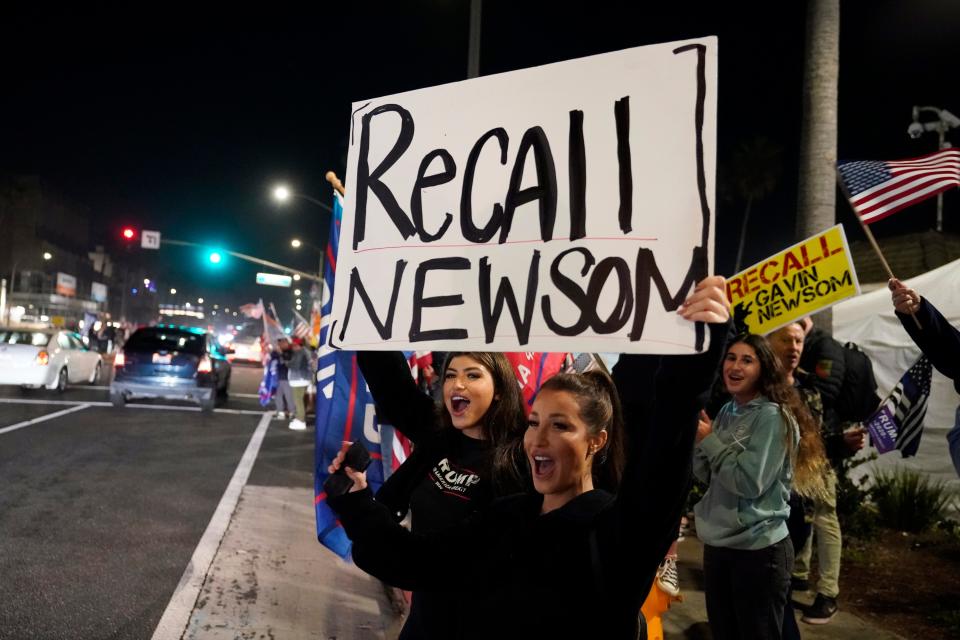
(345,409)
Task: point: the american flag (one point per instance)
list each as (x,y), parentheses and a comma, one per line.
(878,189)
(252,310)
(301,328)
(898,423)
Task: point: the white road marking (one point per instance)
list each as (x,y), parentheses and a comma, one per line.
(175,619)
(168,407)
(50,416)
(244,395)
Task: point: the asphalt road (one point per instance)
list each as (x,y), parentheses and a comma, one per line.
(101,509)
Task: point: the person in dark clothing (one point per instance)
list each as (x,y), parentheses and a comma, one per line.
(568,560)
(937,339)
(809,506)
(284,396)
(466,452)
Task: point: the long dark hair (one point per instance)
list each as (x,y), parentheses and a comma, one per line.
(599,404)
(504,422)
(808,455)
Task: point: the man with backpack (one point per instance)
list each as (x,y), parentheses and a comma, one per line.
(843,375)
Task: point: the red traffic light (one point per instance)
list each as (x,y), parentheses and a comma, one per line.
(128,233)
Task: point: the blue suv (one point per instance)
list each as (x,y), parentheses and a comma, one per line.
(170,361)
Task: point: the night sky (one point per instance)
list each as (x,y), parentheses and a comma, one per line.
(179,120)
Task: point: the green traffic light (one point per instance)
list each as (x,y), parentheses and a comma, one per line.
(215,257)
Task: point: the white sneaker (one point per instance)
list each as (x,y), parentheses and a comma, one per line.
(298,425)
(667,578)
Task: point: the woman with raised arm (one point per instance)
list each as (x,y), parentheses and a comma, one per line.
(467,451)
(568,560)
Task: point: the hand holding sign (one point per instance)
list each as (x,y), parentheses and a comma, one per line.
(708,303)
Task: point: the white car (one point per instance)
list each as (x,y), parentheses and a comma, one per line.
(48,358)
(245,350)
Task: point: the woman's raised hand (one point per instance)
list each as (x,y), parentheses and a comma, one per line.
(704,426)
(359,477)
(708,303)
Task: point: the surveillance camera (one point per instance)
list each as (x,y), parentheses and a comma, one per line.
(915,130)
(950,119)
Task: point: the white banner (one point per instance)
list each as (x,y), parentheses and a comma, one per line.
(567,207)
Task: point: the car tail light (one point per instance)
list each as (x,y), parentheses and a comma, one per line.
(43,358)
(205,365)
(119,360)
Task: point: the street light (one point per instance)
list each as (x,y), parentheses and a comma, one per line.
(282,194)
(47,255)
(173,292)
(945,121)
(296,243)
(199,300)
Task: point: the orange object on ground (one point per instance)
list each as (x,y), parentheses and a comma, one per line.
(657,603)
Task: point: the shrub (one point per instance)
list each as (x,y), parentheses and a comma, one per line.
(858,518)
(907,500)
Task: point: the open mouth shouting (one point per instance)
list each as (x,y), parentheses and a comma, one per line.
(542,466)
(459,405)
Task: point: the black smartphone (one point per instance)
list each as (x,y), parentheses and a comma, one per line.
(358,459)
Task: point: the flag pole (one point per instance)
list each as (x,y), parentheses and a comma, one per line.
(873,241)
(335,182)
(263,319)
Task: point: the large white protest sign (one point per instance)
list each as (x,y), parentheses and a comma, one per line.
(561,208)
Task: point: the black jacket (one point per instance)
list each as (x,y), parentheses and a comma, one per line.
(432,481)
(581,571)
(937,339)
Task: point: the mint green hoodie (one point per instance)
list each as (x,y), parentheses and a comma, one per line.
(746,464)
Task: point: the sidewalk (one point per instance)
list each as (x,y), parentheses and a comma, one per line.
(272,579)
(688,619)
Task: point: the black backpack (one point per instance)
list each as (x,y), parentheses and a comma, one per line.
(858,397)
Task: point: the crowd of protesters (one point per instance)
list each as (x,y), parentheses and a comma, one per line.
(557,523)
(289,367)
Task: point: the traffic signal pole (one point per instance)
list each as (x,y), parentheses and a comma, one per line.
(242,256)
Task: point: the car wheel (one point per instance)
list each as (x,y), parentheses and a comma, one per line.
(62,380)
(97,371)
(117,399)
(207,404)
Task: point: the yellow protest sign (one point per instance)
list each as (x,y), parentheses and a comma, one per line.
(803,279)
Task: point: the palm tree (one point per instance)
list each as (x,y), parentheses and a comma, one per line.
(816,189)
(754,173)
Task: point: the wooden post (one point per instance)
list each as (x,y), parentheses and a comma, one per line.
(335,182)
